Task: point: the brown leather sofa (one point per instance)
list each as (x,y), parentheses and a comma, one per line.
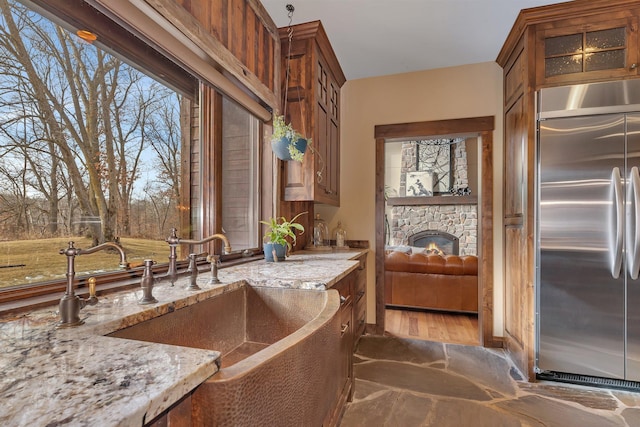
(435,282)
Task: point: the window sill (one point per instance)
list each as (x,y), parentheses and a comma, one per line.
(26,297)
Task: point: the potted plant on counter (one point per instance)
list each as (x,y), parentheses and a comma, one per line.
(275,238)
(286,142)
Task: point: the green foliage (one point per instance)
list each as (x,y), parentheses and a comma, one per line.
(279,229)
(285,130)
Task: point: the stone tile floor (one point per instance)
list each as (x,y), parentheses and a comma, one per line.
(404,383)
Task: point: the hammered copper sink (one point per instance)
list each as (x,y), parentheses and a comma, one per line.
(279,363)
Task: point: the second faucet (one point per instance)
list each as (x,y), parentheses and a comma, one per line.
(174,241)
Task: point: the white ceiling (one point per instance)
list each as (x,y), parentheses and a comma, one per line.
(381,37)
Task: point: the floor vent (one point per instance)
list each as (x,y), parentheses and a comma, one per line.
(590,381)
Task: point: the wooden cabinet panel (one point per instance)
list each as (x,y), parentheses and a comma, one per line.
(345,288)
(514,160)
(244,29)
(360,300)
(317,179)
(517,310)
(513,283)
(514,79)
(322,145)
(346,347)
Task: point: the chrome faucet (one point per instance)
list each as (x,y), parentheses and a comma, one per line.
(146,284)
(70,303)
(174,241)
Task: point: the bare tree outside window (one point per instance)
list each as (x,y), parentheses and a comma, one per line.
(89,149)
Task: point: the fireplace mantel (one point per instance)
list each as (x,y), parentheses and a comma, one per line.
(432,200)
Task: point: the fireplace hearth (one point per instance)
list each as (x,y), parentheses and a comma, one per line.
(436,242)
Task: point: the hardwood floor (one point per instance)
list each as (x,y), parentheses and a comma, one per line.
(454,328)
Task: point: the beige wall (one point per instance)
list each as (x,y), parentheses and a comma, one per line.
(449,93)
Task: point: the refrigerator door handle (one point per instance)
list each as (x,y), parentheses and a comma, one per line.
(616,184)
(633,229)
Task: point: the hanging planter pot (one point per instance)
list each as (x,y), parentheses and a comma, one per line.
(285,149)
(286,142)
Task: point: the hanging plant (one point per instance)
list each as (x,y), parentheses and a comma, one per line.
(286,142)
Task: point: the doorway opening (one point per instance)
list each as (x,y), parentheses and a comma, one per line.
(441,187)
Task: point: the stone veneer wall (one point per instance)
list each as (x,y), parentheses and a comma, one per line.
(460,176)
(459,220)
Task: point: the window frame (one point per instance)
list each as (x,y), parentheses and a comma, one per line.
(78,14)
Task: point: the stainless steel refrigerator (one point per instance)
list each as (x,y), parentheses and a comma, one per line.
(588,233)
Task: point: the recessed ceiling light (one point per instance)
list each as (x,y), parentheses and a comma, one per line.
(86,35)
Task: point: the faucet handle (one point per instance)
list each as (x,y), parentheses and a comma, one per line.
(93,299)
(147,283)
(215,262)
(193,269)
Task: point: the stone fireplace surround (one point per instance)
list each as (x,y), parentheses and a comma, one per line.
(461,220)
(456,215)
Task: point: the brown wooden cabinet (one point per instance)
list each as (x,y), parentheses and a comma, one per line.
(313,107)
(566,43)
(345,288)
(360,300)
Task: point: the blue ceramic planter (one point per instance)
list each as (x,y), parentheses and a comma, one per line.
(281,251)
(281,147)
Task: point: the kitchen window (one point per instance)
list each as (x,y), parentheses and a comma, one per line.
(103,138)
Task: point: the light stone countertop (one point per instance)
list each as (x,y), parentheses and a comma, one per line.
(79,377)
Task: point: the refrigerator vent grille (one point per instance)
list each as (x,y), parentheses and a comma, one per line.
(591,381)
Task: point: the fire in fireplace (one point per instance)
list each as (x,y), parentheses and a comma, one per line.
(434,249)
(436,242)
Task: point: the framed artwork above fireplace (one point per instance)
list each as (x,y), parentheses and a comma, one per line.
(420,184)
(436,156)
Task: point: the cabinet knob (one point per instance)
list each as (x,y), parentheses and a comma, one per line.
(634,66)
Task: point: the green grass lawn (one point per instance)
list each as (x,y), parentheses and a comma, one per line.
(43,261)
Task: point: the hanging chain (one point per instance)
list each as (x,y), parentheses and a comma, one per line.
(290,10)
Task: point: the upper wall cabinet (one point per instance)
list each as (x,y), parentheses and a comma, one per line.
(573,50)
(312,90)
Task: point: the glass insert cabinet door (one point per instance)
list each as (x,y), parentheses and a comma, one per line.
(608,48)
